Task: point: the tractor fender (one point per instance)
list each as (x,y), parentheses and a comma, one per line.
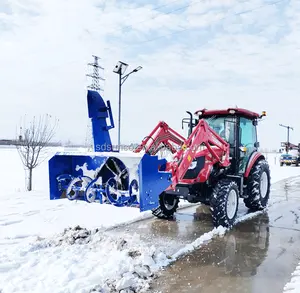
(255,157)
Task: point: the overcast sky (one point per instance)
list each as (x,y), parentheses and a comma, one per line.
(195,54)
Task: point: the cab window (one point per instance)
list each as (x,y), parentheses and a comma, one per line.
(248,132)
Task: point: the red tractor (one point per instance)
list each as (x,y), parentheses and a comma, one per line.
(216,165)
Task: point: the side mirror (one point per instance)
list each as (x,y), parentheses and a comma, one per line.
(256,144)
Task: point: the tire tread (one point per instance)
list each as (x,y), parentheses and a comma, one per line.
(218,203)
(253,201)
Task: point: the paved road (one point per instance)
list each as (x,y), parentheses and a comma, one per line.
(257,256)
(190,224)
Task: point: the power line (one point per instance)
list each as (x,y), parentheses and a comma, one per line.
(165,13)
(186,29)
(143,5)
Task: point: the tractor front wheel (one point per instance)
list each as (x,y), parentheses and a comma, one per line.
(224,203)
(168,205)
(258,187)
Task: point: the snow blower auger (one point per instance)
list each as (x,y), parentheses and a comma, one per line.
(216,165)
(106,175)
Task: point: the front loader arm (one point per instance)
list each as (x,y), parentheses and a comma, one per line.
(161,134)
(201,136)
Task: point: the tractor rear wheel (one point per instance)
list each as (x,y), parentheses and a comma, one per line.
(258,186)
(168,205)
(224,203)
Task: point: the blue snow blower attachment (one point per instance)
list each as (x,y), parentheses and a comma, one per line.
(107,176)
(100,178)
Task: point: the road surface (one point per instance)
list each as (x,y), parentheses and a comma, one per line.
(256,256)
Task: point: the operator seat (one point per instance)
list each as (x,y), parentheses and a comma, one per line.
(230,140)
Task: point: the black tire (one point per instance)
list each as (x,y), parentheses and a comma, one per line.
(256,200)
(168,205)
(219,200)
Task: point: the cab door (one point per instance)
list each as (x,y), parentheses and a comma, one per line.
(248,139)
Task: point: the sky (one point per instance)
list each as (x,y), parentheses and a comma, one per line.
(195,54)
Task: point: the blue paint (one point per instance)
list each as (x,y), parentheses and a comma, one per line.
(152,182)
(98,111)
(86,176)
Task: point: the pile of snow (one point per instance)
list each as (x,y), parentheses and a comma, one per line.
(81,260)
(77,258)
(294,285)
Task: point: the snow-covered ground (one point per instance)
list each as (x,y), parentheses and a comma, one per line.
(65,246)
(294,285)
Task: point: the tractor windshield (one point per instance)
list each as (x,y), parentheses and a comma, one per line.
(223,125)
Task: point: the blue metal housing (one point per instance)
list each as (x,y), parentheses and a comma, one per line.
(98,111)
(67,167)
(106,176)
(77,165)
(152,182)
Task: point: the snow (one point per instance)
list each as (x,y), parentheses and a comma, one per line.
(77,260)
(68,246)
(280,173)
(294,285)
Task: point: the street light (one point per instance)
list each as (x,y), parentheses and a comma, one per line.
(120,69)
(288,135)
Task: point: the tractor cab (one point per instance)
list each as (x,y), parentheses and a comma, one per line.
(237,127)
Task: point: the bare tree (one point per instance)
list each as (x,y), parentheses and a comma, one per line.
(33,138)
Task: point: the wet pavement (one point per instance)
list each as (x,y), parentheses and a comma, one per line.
(190,223)
(256,256)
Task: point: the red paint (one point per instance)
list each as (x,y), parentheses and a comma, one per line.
(238,111)
(251,163)
(161,134)
(216,151)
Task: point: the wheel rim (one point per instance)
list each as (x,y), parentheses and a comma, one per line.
(169,203)
(264,185)
(232,203)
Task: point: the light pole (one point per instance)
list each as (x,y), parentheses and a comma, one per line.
(288,135)
(120,69)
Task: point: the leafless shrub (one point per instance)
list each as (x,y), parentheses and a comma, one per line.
(32,139)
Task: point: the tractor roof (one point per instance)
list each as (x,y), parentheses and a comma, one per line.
(229,111)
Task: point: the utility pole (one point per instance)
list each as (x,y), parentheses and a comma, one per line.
(120,69)
(288,135)
(89,137)
(95,85)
